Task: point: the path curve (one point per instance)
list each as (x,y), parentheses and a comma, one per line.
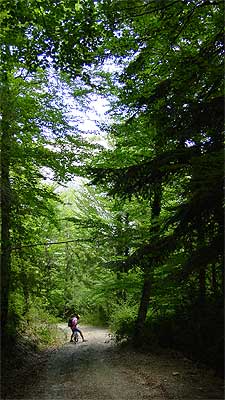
(98,370)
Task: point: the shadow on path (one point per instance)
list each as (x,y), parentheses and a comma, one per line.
(99,370)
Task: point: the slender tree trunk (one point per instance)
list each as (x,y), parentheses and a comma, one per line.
(26,295)
(143,308)
(5,199)
(24,281)
(202,273)
(146,290)
(67,279)
(202,286)
(222,280)
(122,250)
(214,280)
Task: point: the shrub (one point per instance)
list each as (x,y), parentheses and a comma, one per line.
(122,321)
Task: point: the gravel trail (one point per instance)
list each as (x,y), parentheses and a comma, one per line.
(99,370)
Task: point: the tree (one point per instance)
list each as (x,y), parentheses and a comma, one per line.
(35,36)
(6,122)
(170,97)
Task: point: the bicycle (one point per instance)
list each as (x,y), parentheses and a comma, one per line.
(76,337)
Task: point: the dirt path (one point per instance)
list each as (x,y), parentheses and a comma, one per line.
(96,370)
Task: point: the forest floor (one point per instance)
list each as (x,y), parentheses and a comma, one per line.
(100,370)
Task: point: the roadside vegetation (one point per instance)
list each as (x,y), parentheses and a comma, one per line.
(123,224)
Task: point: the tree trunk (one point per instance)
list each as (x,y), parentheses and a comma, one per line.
(214,280)
(202,286)
(143,308)
(24,281)
(5,199)
(223,281)
(146,290)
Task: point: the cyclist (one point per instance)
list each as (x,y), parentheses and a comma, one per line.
(74,328)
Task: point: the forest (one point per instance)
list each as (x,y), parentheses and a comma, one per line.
(119,218)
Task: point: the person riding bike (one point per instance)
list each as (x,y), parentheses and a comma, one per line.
(74,328)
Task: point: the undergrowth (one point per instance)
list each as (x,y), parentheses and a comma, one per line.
(197,332)
(37,327)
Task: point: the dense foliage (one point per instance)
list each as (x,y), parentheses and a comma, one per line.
(168,149)
(141,246)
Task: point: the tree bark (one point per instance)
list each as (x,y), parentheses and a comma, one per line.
(6,134)
(146,290)
(214,280)
(143,308)
(202,286)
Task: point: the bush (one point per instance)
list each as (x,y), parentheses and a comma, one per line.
(122,321)
(98,317)
(46,335)
(197,332)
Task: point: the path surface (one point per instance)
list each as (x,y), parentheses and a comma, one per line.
(97,370)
